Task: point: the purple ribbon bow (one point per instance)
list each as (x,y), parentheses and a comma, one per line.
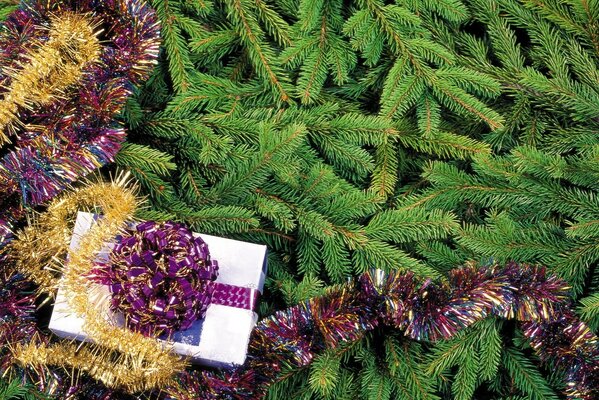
(162,279)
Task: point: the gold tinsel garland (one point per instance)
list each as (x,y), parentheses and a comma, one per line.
(52,68)
(120,358)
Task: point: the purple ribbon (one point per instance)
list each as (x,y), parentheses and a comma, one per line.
(235,296)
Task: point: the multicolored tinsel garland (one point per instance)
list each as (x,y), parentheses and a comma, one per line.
(66,69)
(17,309)
(160,277)
(423,311)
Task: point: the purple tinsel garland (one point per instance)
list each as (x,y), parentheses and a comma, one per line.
(77,133)
(423,311)
(17,309)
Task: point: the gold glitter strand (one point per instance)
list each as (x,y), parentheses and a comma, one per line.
(49,70)
(39,248)
(124,359)
(116,372)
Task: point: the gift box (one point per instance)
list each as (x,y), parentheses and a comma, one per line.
(221,338)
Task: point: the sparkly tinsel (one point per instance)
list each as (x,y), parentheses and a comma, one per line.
(423,311)
(17,307)
(60,92)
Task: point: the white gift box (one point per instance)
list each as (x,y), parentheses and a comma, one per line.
(221,338)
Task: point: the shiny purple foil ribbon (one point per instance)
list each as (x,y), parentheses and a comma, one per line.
(162,279)
(235,296)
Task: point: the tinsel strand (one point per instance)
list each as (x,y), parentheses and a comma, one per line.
(423,311)
(49,70)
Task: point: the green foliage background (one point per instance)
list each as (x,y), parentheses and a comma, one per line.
(406,134)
